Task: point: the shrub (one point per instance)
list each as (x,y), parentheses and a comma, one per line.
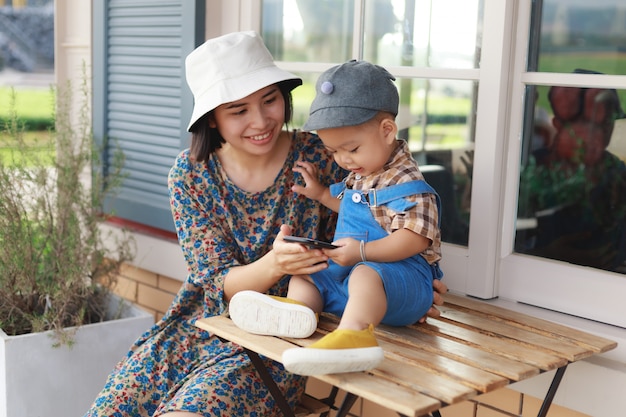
(57,264)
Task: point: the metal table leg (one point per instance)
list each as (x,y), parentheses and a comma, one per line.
(270,383)
(551,391)
(346,404)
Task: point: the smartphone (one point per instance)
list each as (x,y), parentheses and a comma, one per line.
(311,243)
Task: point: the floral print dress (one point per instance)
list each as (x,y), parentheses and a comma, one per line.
(175,366)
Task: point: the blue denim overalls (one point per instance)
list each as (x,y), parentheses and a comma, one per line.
(408,283)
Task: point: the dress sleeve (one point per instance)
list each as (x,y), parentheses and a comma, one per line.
(201,228)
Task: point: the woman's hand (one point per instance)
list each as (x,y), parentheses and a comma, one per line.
(439,288)
(296,259)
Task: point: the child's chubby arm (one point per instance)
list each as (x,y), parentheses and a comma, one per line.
(398,245)
(313,189)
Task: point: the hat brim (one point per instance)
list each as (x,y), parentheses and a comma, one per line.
(332,117)
(234,89)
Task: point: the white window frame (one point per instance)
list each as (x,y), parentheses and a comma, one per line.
(580,291)
(488,268)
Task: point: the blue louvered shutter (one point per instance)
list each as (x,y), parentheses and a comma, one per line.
(141,102)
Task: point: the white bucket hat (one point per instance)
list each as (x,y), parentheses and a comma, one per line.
(229,68)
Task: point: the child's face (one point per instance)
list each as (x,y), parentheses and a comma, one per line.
(363,149)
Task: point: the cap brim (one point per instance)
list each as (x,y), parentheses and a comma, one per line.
(329,117)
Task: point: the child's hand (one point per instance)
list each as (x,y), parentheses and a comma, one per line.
(313,188)
(348,253)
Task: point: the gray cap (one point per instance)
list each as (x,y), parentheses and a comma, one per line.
(351,94)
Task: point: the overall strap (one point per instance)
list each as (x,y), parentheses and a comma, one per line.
(393,192)
(337,188)
(405,189)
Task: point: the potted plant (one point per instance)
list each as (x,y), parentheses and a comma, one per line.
(58,266)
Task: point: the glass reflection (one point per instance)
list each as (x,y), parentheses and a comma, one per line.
(309,30)
(437,117)
(420,34)
(572,195)
(567,32)
(396,32)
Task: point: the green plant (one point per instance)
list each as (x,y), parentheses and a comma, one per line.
(57,263)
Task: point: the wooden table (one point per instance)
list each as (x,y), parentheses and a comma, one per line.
(473,348)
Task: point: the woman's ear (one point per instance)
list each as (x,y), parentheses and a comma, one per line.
(211,121)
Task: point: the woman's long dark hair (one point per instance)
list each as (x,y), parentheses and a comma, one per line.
(205,139)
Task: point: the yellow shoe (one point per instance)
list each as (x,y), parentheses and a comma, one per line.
(337,352)
(259,313)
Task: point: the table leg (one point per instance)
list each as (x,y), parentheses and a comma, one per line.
(346,404)
(270,383)
(551,391)
(435,413)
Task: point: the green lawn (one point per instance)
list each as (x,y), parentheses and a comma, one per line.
(35,103)
(38,142)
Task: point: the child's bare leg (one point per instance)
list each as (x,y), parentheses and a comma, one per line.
(367,302)
(352,346)
(301,288)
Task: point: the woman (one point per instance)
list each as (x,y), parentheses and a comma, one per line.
(232,202)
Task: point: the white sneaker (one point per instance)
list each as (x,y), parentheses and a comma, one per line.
(311,361)
(259,313)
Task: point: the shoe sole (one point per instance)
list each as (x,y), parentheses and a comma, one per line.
(311,361)
(260,314)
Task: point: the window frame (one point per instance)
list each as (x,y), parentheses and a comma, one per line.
(488,268)
(580,291)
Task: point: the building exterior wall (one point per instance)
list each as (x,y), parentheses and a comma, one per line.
(142,284)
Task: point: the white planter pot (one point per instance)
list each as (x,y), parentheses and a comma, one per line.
(37,379)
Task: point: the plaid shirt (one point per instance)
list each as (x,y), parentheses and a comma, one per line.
(421,218)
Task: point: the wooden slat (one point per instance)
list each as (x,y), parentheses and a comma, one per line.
(518,336)
(460,352)
(444,389)
(382,392)
(379,390)
(596,343)
(222,326)
(414,355)
(474,347)
(432,362)
(543,360)
(475,378)
(472,377)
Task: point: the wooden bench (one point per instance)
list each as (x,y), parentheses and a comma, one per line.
(473,348)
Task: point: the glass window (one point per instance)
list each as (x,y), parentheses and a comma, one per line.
(418,33)
(573,32)
(572,196)
(308,30)
(437,116)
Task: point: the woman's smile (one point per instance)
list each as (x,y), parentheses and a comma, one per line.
(262,138)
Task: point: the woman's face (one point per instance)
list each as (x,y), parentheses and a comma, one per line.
(253,123)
